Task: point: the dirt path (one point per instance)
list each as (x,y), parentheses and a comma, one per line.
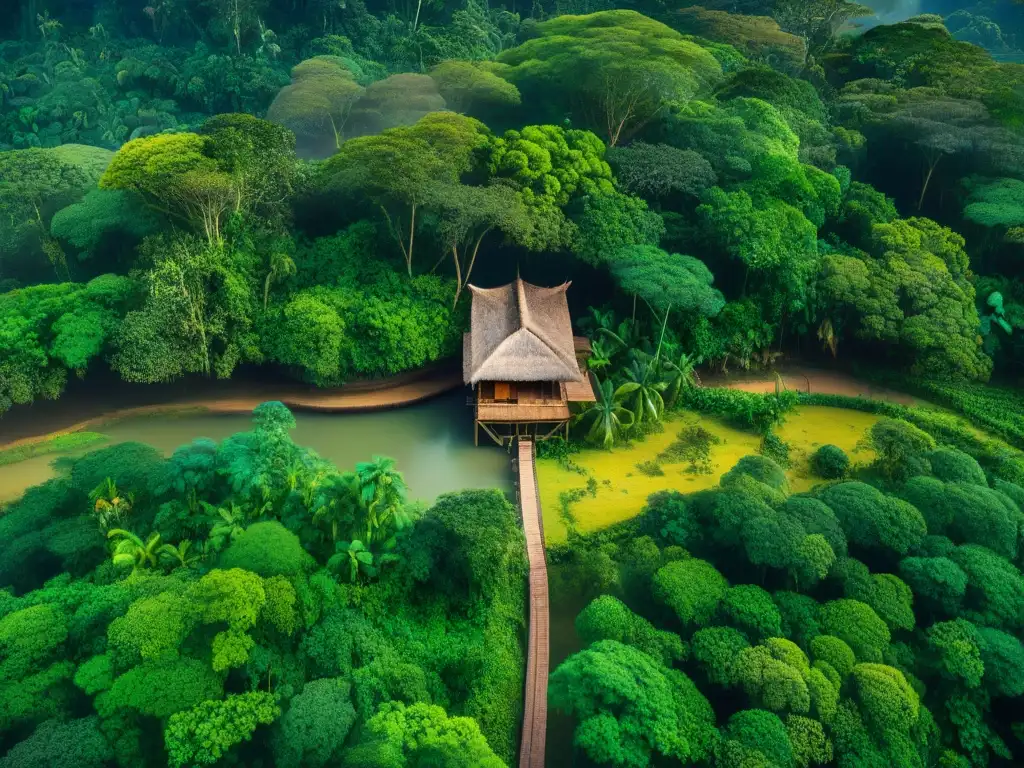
(402,390)
(813,380)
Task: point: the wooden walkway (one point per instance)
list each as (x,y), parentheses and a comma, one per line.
(535,711)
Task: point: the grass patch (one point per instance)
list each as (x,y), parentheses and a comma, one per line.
(650,467)
(692,453)
(692,445)
(71,441)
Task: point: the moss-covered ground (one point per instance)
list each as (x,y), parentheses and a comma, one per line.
(600,488)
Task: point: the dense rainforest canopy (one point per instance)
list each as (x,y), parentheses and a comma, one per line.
(192,186)
(196,188)
(257,607)
(873,621)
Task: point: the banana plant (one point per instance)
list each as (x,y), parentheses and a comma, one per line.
(132,550)
(680,376)
(227,524)
(181,555)
(644,398)
(354,555)
(601,353)
(607,420)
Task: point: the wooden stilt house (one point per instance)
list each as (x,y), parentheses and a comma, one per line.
(523,363)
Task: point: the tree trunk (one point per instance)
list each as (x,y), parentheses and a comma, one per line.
(416,20)
(664,325)
(464,279)
(412,237)
(458,275)
(932,165)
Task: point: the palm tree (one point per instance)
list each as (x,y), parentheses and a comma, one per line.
(382,491)
(281,265)
(608,418)
(180,555)
(108,503)
(338,503)
(133,551)
(645,400)
(680,376)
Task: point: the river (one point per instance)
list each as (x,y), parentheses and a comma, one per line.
(432,442)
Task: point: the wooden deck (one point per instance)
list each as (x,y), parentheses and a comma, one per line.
(535,711)
(554,410)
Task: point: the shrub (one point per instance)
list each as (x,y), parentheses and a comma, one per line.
(650,468)
(856,624)
(750,609)
(901,448)
(693,444)
(266,548)
(830,462)
(761,468)
(775,448)
(691,588)
(953,466)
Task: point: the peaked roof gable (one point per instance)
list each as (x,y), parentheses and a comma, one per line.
(520,332)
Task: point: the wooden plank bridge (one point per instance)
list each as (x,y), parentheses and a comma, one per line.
(535,710)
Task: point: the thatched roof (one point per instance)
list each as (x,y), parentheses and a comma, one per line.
(520,332)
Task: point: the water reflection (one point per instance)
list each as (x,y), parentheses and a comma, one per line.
(432,443)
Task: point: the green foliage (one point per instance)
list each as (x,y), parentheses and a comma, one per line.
(659,172)
(995,587)
(751,410)
(29,638)
(750,609)
(268,549)
(810,744)
(873,520)
(316,106)
(716,650)
(629,708)
(61,443)
(592,60)
(834,652)
(160,688)
(830,462)
(405,736)
(937,580)
(953,466)
(770,678)
(203,734)
(858,626)
(955,645)
(315,725)
(607,618)
(692,588)
(153,628)
(100,218)
(885,697)
(51,330)
(937,326)
(473,89)
(77,742)
(760,468)
(760,731)
(901,447)
(758,36)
